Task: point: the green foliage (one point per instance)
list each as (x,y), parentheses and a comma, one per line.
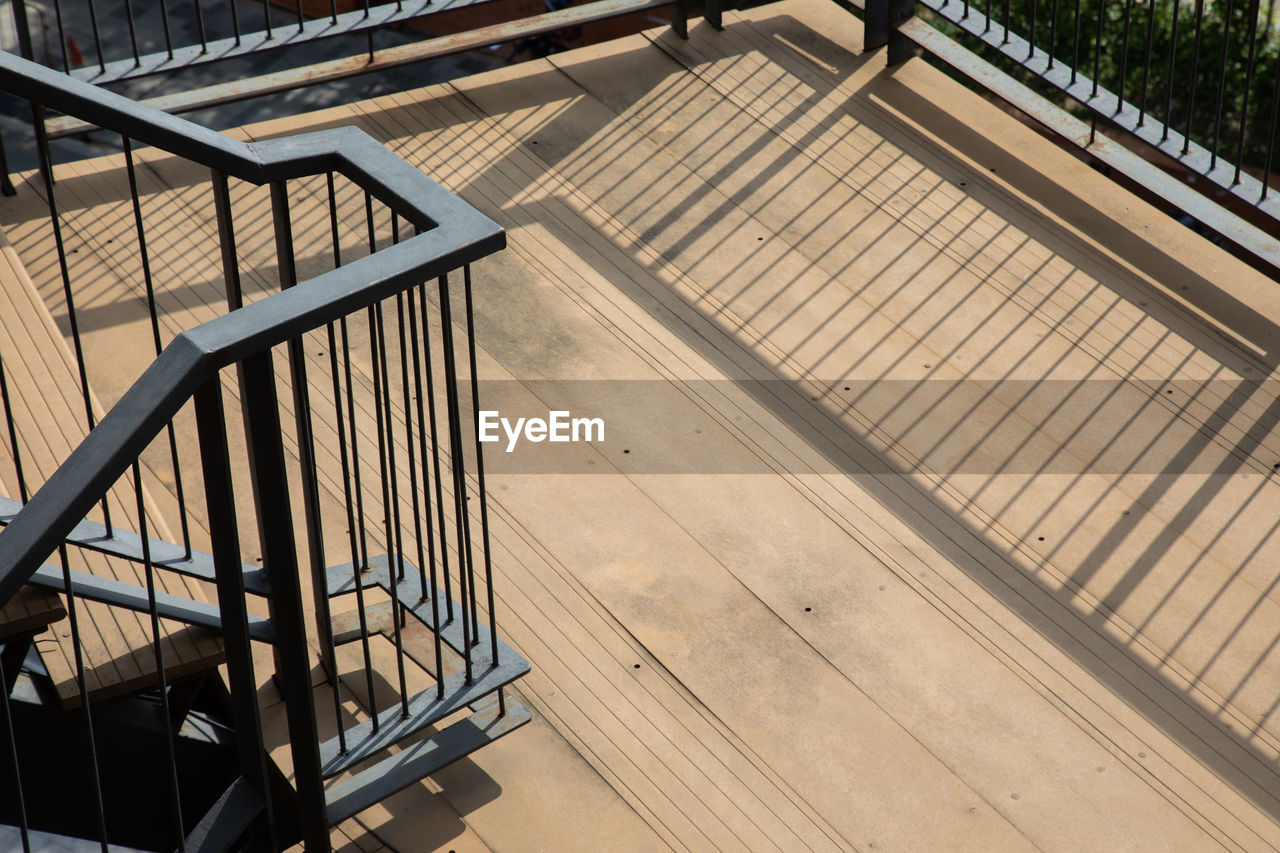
(1138,40)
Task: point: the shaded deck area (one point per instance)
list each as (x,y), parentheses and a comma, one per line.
(937,507)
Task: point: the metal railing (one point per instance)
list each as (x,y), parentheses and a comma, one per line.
(348,423)
(1199,83)
(218,32)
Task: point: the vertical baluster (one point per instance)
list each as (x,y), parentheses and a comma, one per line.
(85,712)
(55,220)
(1169,81)
(431,590)
(480,488)
(411,333)
(1031,37)
(227,240)
(355,562)
(1222,86)
(133,33)
(62,37)
(23,494)
(466,577)
(1195,71)
(97,35)
(1146,61)
(1053,36)
(148,283)
(1075,46)
(12,743)
(1271,136)
(175,797)
(333,11)
(286,264)
(301,20)
(1122,84)
(408,433)
(204,39)
(359,554)
(164,23)
(1248,85)
(381,394)
(1097,49)
(386,447)
(435,456)
(235,21)
(266,18)
(363,562)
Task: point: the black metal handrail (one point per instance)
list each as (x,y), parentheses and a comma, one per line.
(448,235)
(452,234)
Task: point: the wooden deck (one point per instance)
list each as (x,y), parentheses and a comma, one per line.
(991,586)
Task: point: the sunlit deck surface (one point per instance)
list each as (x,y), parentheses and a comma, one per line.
(975,550)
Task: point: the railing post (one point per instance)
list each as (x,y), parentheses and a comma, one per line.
(6,183)
(280,560)
(881,22)
(680,18)
(215,461)
(713,14)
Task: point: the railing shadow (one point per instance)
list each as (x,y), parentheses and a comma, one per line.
(574,139)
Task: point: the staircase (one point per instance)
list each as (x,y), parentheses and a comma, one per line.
(324,418)
(468,674)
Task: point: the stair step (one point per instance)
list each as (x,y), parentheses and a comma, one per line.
(425,708)
(131,597)
(408,592)
(164,555)
(428,706)
(420,760)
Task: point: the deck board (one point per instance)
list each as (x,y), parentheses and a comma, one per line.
(766,204)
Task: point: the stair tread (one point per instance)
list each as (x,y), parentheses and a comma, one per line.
(340,581)
(425,708)
(420,760)
(126,544)
(133,597)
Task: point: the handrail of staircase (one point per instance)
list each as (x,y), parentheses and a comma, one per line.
(450,234)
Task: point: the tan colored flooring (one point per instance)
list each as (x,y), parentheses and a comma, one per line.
(983,621)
